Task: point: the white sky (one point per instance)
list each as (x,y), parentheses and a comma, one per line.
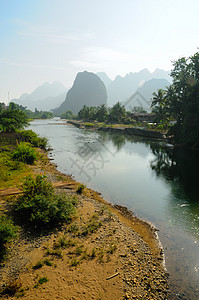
(52,40)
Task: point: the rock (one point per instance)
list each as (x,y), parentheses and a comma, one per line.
(88,89)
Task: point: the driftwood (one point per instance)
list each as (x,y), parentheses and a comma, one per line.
(112,276)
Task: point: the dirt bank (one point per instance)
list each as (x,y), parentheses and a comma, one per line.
(105,253)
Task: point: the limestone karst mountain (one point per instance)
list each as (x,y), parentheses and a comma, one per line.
(45,97)
(121,88)
(143,95)
(104,77)
(88,89)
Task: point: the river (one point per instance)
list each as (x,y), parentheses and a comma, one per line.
(155,181)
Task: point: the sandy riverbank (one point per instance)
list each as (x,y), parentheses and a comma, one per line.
(121,259)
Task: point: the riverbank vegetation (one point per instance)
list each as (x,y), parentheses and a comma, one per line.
(180,102)
(50,237)
(38,205)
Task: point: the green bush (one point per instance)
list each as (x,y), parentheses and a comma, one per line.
(25,153)
(39,206)
(80,189)
(32,138)
(8,231)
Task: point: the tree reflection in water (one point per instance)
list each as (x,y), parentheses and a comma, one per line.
(180,167)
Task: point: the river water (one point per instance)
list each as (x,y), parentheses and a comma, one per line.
(159,184)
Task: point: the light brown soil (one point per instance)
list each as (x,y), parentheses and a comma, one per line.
(120,259)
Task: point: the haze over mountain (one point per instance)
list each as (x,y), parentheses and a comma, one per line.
(104,77)
(45,97)
(143,95)
(151,86)
(121,88)
(88,89)
(94,89)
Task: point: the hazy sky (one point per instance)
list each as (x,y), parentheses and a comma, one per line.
(52,40)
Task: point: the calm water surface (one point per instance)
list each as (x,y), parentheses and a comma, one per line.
(154,181)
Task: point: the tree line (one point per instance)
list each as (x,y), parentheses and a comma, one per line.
(177,106)
(115,114)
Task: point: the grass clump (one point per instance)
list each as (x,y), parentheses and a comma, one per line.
(73,228)
(92,225)
(54,252)
(47,262)
(11,171)
(40,207)
(74,262)
(41,281)
(80,189)
(93,253)
(64,243)
(25,153)
(38,265)
(8,232)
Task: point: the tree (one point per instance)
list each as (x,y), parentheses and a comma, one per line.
(87,113)
(117,113)
(180,102)
(159,106)
(12,119)
(102,113)
(139,110)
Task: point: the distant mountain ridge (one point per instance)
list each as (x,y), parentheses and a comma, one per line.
(51,96)
(45,97)
(143,95)
(121,88)
(88,89)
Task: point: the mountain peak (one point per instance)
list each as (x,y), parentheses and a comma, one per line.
(88,89)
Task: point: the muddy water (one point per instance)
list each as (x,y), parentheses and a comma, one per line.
(152,179)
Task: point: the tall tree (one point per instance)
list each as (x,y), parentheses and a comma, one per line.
(12,119)
(159,106)
(181,101)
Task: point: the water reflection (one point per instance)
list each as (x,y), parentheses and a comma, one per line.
(178,166)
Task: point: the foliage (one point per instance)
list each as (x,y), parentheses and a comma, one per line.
(25,153)
(8,231)
(180,102)
(32,138)
(68,115)
(139,109)
(80,189)
(39,205)
(159,105)
(116,114)
(12,119)
(12,172)
(87,113)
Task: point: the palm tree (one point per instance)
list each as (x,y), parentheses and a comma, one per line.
(159,107)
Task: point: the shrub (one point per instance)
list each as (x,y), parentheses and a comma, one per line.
(40,206)
(25,153)
(38,265)
(80,189)
(8,231)
(32,138)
